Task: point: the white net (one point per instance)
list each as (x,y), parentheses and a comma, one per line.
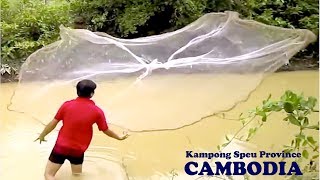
(159,82)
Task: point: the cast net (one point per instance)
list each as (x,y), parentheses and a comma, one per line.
(159,82)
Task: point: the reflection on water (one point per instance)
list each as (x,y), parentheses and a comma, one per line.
(148,155)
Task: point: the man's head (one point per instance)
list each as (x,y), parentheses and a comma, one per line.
(85,88)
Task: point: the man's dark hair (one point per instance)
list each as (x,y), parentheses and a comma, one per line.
(85,88)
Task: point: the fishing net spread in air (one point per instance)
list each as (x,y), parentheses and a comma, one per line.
(165,81)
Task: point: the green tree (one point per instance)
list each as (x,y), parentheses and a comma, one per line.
(130,19)
(28,25)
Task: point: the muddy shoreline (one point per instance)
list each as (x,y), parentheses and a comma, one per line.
(296,64)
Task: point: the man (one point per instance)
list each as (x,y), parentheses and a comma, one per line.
(74,137)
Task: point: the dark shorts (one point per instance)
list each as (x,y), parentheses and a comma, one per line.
(59,158)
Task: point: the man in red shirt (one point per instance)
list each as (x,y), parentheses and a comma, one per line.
(74,137)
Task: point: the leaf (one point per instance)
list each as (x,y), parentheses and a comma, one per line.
(252,131)
(259,112)
(303,102)
(284,96)
(263,115)
(305,121)
(277,107)
(315,156)
(304,143)
(311,102)
(305,154)
(225,144)
(311,140)
(288,93)
(227,138)
(300,136)
(264,118)
(298,141)
(293,120)
(287,150)
(243,122)
(269,97)
(288,107)
(249,135)
(316,127)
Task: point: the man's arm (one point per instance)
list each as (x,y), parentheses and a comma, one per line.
(49,127)
(103,126)
(112,134)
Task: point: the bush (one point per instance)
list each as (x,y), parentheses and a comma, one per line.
(28,25)
(129,19)
(136,18)
(296,110)
(302,14)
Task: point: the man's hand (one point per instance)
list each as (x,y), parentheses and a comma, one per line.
(110,133)
(41,139)
(47,130)
(125,136)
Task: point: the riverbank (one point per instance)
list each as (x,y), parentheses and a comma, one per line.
(299,64)
(296,64)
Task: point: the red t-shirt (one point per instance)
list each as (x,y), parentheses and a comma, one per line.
(78,116)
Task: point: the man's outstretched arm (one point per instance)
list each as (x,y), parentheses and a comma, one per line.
(112,134)
(49,127)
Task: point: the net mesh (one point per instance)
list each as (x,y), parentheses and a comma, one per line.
(159,82)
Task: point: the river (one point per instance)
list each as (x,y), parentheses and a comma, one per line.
(147,155)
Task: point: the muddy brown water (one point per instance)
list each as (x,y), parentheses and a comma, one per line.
(149,155)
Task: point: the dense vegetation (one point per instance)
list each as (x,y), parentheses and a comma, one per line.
(27,25)
(296,110)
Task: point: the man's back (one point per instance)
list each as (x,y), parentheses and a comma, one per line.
(78,116)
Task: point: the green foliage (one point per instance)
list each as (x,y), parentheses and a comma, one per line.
(297,109)
(141,18)
(28,25)
(137,18)
(187,11)
(302,14)
(135,14)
